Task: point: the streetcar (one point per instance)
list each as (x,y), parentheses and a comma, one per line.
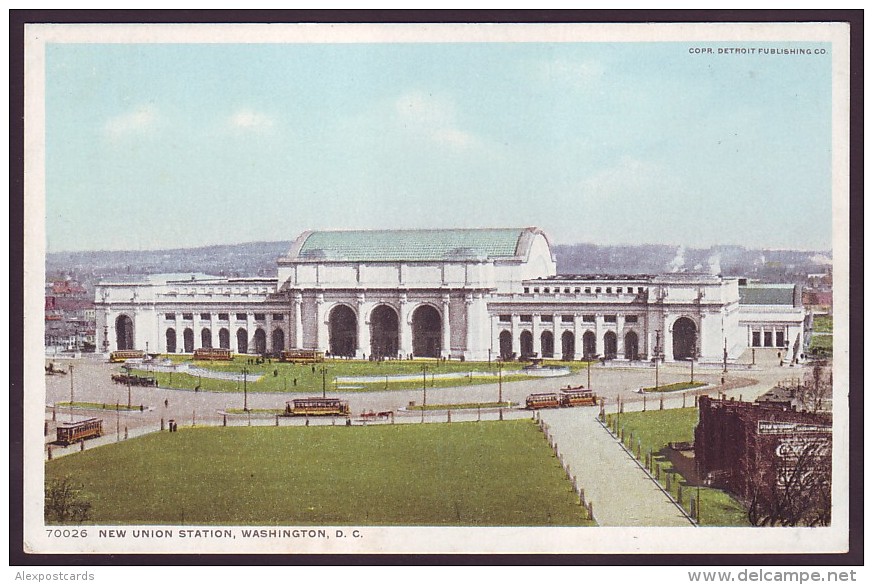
(74,432)
(126,354)
(301,356)
(317,406)
(578,396)
(213,353)
(542,400)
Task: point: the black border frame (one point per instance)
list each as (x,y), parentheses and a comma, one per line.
(19,18)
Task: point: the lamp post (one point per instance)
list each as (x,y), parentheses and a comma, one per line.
(724,359)
(127,375)
(423,390)
(589,372)
(323,382)
(657,357)
(500,383)
(245,373)
(71,392)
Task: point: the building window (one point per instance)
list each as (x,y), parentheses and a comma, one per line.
(587,290)
(597,290)
(639,290)
(223,316)
(756,339)
(547,318)
(505,318)
(609,290)
(527,290)
(188,316)
(609,318)
(205,316)
(619,290)
(278,317)
(536,290)
(588,318)
(566,318)
(630,319)
(240,316)
(577,290)
(170,316)
(780,339)
(768,339)
(546,290)
(525,318)
(567,290)
(259,316)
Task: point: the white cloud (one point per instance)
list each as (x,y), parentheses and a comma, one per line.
(247,119)
(580,74)
(137,121)
(432,118)
(629,178)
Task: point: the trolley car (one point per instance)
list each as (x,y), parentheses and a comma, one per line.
(126,354)
(579,396)
(213,353)
(302,356)
(542,400)
(74,432)
(317,407)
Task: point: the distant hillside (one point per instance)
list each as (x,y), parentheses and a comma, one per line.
(259,259)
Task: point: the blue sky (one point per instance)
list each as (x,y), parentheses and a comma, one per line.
(171,145)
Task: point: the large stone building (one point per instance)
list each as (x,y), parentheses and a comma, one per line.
(475,294)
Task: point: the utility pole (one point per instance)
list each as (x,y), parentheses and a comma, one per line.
(245,373)
(71,392)
(657,356)
(589,372)
(127,370)
(500,383)
(323,382)
(423,390)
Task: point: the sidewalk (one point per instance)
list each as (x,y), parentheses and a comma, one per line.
(620,491)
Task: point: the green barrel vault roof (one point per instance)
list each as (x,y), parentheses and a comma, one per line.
(408,245)
(767,294)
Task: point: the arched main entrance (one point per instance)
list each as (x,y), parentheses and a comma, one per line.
(343,331)
(684,338)
(547,344)
(526,344)
(206,338)
(278,339)
(426,332)
(568,346)
(384,332)
(188,340)
(171,340)
(224,338)
(242,341)
(260,342)
(505,345)
(631,346)
(610,345)
(123,333)
(589,345)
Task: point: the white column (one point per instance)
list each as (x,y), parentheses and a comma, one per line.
(577,337)
(535,331)
(250,331)
(213,330)
(516,333)
(557,336)
(667,337)
(468,318)
(321,341)
(446,341)
(268,339)
(619,336)
(599,330)
(298,321)
(363,327)
(404,341)
(495,336)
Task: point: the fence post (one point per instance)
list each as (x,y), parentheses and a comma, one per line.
(501,413)
(277,420)
(683,400)
(81,445)
(49,452)
(679,494)
(162,423)
(669,483)
(448,416)
(224,420)
(644,401)
(662,403)
(590,510)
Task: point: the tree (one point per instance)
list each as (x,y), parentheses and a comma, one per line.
(816,387)
(796,489)
(64,502)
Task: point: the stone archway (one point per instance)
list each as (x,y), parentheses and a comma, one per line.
(188,340)
(547,344)
(589,345)
(426,332)
(343,331)
(206,338)
(260,342)
(526,344)
(568,346)
(684,339)
(242,341)
(123,333)
(631,346)
(171,340)
(224,338)
(505,345)
(384,332)
(610,345)
(278,340)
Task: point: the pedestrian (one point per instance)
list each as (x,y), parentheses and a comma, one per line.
(166,402)
(295,381)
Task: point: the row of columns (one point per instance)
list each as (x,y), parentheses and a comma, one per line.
(536,326)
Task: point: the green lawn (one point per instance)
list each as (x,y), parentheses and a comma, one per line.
(653,430)
(303,378)
(675,387)
(823,324)
(822,345)
(465,474)
(99,406)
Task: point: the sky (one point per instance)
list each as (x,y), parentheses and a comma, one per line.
(152,146)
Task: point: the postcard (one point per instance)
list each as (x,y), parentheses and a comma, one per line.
(436,288)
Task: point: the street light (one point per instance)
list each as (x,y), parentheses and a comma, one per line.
(245,373)
(423,390)
(500,383)
(657,356)
(71,392)
(323,382)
